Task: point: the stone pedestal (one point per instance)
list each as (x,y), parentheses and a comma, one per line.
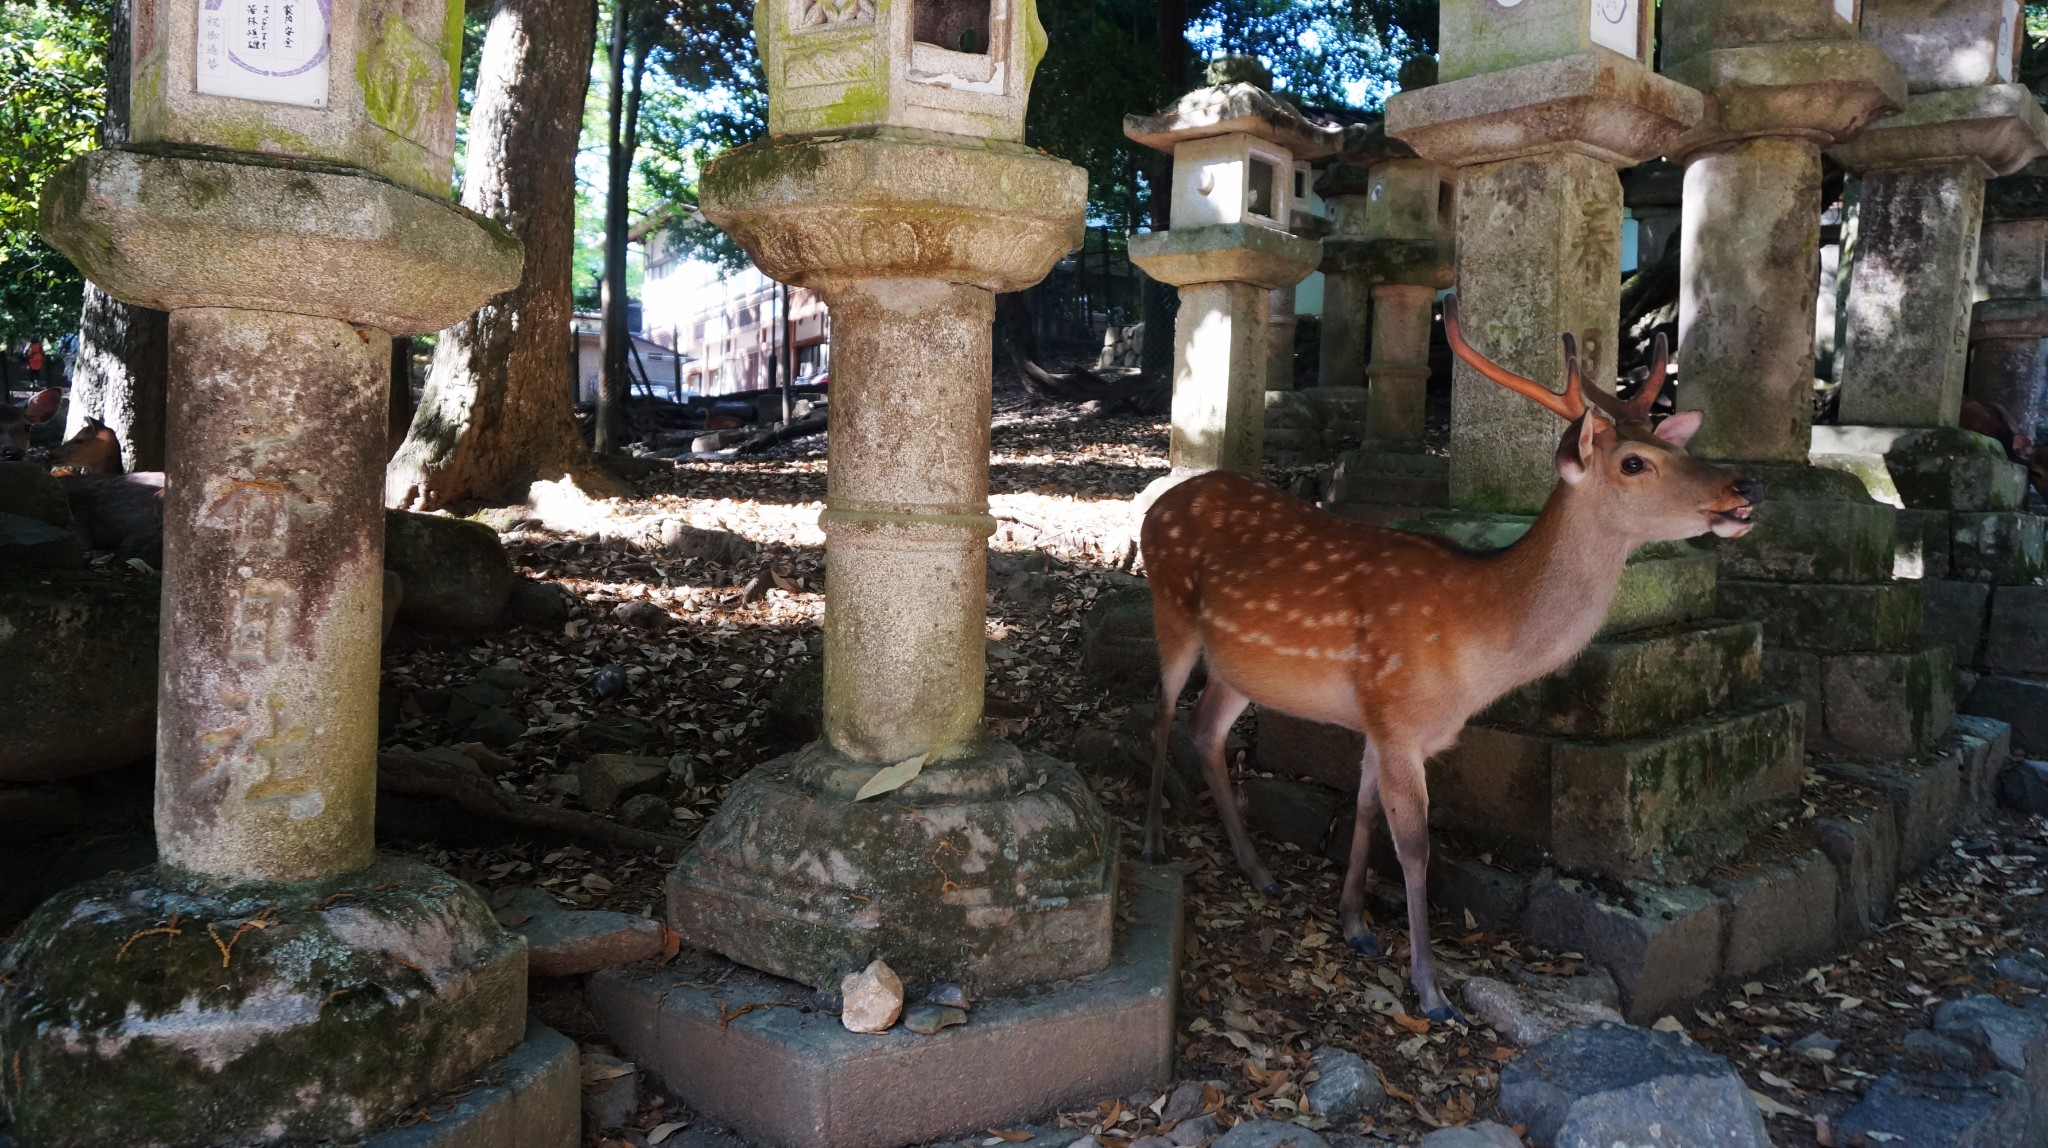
(986,868)
(2009,326)
(224,996)
(1538,239)
(1347,293)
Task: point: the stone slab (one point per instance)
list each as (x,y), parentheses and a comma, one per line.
(1294,747)
(791,1078)
(1780,913)
(1923,799)
(1888,705)
(2009,548)
(1956,613)
(1982,746)
(1662,943)
(1226,252)
(1632,684)
(1817,524)
(2020,702)
(1864,849)
(1595,103)
(1828,618)
(2018,638)
(529,1099)
(1998,125)
(1669,807)
(178,231)
(1923,548)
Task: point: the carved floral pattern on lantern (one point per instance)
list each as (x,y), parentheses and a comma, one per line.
(832,13)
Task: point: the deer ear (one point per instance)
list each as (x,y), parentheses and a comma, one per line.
(1679,428)
(44,405)
(1575,452)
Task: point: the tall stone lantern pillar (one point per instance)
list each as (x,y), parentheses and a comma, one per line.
(1234,150)
(1922,203)
(1347,294)
(286,199)
(2009,326)
(895,183)
(1538,102)
(1395,245)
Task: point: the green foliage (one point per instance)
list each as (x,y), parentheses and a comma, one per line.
(52,95)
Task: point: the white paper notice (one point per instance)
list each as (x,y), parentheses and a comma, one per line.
(1846,9)
(271,50)
(2008,38)
(1613,24)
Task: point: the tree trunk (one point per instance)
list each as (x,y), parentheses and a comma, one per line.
(495,415)
(612,334)
(120,372)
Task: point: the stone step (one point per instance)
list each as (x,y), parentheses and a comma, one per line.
(1662,807)
(1815,525)
(1665,808)
(1337,404)
(2022,701)
(1822,617)
(2005,547)
(1634,684)
(1419,490)
(1879,704)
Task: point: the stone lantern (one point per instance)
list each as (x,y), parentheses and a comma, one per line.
(2009,325)
(1538,102)
(907,200)
(1234,149)
(1921,203)
(285,198)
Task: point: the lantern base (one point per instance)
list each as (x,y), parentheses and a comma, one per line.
(154,1009)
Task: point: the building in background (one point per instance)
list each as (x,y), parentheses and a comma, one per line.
(660,366)
(728,324)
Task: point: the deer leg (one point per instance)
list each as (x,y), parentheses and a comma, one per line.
(1407,802)
(1176,662)
(1351,905)
(1220,706)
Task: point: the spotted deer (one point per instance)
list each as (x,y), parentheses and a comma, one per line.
(1400,636)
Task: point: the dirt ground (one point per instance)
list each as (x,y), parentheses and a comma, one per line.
(1265,980)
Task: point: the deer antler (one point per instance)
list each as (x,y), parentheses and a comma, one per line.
(1568,406)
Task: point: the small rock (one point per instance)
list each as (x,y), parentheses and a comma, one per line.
(38,545)
(2019,972)
(1896,1112)
(1184,1102)
(930,1018)
(608,682)
(609,777)
(611,1090)
(714,547)
(1270,1134)
(1031,590)
(1593,1087)
(2013,1038)
(646,811)
(1151,1142)
(949,995)
(756,589)
(566,784)
(1527,1016)
(1195,1130)
(616,734)
(1484,1134)
(2024,786)
(468,702)
(564,942)
(870,1000)
(510,679)
(642,616)
(457,575)
(1936,1051)
(1347,1087)
(433,699)
(495,727)
(542,604)
(1815,1042)
(1595,985)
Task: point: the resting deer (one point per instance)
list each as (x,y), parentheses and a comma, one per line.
(1402,637)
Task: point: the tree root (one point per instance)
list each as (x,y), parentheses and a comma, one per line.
(440,776)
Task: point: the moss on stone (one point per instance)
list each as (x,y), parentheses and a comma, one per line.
(157,1009)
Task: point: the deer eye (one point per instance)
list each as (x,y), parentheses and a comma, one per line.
(1634,464)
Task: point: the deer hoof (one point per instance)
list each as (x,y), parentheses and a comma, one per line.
(1153,856)
(1270,888)
(1446,1013)
(1365,943)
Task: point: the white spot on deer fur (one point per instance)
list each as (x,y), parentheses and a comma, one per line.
(1436,637)
(1173,533)
(1311,567)
(1393,663)
(1429,611)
